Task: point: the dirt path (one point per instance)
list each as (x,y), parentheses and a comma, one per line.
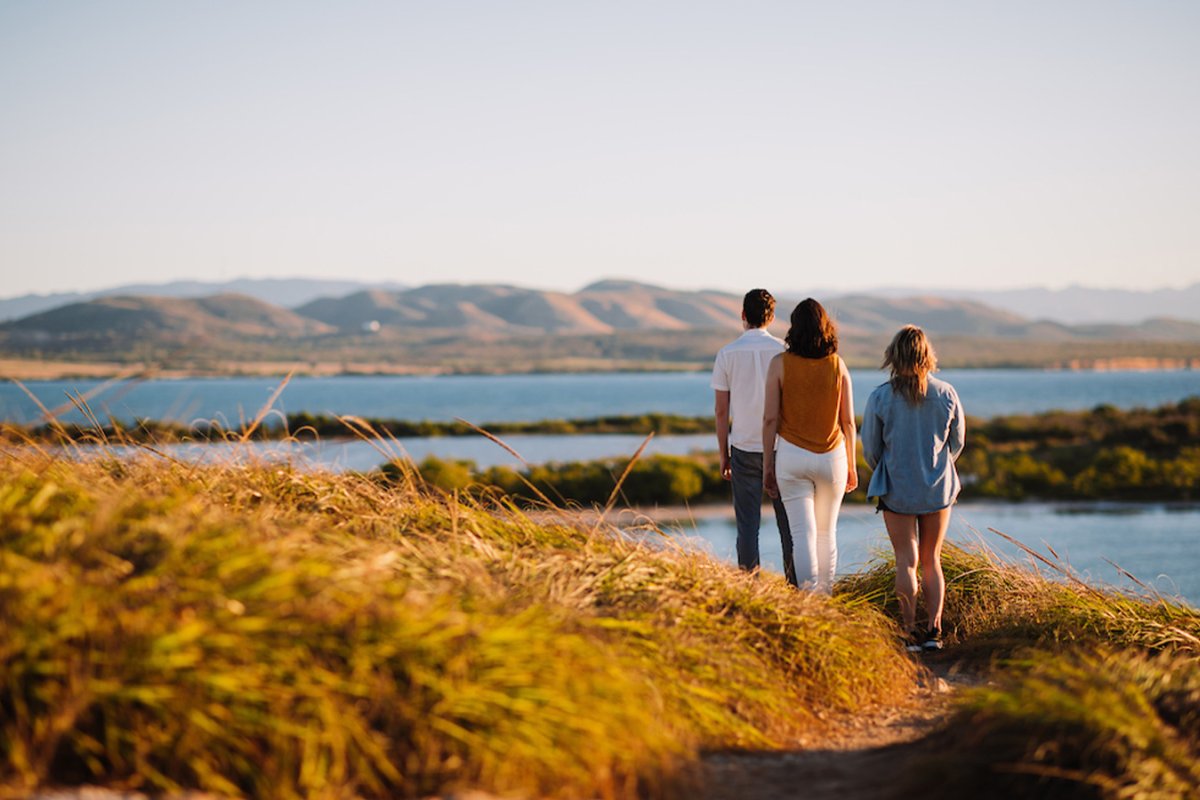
(862,762)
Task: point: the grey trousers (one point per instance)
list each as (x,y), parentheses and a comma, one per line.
(747,483)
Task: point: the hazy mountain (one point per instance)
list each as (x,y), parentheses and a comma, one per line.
(863,314)
(1073,306)
(454,320)
(602,307)
(611,305)
(125,321)
(286,292)
(498,328)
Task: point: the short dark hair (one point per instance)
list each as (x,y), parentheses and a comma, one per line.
(758,306)
(812,333)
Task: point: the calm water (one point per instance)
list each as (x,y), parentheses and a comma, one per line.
(482,399)
(1158,544)
(340,455)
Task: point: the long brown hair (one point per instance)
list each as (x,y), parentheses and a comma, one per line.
(911,358)
(812,333)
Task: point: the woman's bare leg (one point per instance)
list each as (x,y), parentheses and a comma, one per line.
(932,533)
(902,530)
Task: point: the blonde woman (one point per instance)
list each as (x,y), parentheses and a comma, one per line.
(809,441)
(913,430)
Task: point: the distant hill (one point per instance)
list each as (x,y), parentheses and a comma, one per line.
(863,314)
(127,321)
(605,307)
(602,307)
(286,292)
(611,303)
(1074,305)
(500,328)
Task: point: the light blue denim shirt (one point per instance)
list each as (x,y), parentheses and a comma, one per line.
(912,448)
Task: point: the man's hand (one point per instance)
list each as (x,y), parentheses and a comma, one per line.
(726,467)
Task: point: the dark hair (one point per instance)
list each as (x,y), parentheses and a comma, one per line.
(758,306)
(911,358)
(812,334)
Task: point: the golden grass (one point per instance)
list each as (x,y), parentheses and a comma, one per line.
(261,631)
(1080,723)
(995,607)
(1090,693)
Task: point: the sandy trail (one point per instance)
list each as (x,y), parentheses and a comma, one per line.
(863,762)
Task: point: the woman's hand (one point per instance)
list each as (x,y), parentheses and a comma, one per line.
(769,482)
(851,478)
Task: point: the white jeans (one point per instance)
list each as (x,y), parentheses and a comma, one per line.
(811,486)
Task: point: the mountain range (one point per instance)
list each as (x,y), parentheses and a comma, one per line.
(1074,305)
(505,328)
(286,292)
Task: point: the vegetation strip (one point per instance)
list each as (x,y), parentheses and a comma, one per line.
(1104,453)
(266,632)
(273,633)
(1091,694)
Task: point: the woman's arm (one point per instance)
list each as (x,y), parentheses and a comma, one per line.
(958,428)
(872,431)
(846,422)
(770,429)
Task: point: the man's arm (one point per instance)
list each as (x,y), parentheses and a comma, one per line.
(722,414)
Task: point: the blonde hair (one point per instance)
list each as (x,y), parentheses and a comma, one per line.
(910,358)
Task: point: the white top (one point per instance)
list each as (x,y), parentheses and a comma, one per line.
(741,370)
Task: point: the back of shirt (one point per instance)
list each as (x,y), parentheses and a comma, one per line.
(810,401)
(912,447)
(741,370)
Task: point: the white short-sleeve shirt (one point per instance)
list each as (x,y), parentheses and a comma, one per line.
(741,370)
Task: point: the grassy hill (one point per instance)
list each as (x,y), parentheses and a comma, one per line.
(254,631)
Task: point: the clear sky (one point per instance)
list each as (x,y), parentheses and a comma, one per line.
(692,144)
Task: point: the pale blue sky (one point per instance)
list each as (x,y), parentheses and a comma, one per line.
(694,144)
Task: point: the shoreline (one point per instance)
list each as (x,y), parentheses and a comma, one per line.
(708,511)
(26,370)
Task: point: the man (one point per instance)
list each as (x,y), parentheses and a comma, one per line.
(739,377)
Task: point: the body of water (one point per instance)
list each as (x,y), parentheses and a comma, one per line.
(354,454)
(502,398)
(1158,544)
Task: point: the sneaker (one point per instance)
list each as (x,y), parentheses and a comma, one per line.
(933,640)
(914,642)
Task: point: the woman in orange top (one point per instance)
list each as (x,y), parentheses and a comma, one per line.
(808,440)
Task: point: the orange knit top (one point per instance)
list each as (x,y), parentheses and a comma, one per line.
(812,396)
